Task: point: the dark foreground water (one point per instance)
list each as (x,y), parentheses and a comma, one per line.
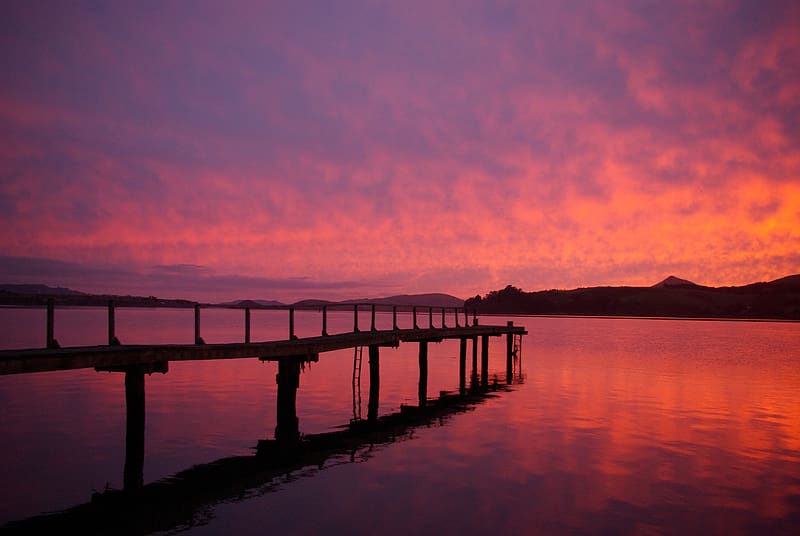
(618,426)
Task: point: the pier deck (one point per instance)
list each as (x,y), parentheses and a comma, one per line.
(308,349)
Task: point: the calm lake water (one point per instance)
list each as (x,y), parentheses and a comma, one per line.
(619,426)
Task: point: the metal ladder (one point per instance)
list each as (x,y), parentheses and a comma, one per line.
(357,355)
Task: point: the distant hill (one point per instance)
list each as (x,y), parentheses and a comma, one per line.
(673,281)
(424,300)
(11,294)
(39,290)
(253,304)
(672,297)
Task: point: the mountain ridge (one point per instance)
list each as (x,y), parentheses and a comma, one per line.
(672,297)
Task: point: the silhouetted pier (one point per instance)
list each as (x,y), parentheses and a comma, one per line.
(291,354)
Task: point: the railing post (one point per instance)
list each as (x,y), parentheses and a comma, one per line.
(324,320)
(291,323)
(373,318)
(430,317)
(394,317)
(444,324)
(112,325)
(466,318)
(247,325)
(51,340)
(414,313)
(474,317)
(355,318)
(455,313)
(197,338)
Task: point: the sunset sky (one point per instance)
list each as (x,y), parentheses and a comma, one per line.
(282,150)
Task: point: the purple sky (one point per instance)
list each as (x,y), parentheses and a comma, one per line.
(221,150)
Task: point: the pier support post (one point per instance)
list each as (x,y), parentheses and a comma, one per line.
(247,325)
(288,380)
(423,374)
(430,317)
(291,324)
(197,338)
(474,374)
(394,317)
(374,383)
(373,328)
(112,325)
(484,360)
(414,314)
(462,366)
(133,474)
(509,354)
(324,320)
(51,339)
(355,319)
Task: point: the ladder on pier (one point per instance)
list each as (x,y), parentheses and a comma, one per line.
(357,356)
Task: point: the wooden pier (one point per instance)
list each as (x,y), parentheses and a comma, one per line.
(135,361)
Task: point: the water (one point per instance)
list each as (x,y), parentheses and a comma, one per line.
(623,426)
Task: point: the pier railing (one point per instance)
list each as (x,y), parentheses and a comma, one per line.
(418,314)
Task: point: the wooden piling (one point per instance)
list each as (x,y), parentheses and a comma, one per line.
(484,360)
(373,327)
(287,429)
(423,373)
(355,319)
(247,325)
(509,354)
(324,320)
(474,374)
(291,324)
(430,317)
(374,383)
(394,317)
(462,365)
(414,314)
(133,474)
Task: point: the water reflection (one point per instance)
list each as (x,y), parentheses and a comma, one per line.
(183,500)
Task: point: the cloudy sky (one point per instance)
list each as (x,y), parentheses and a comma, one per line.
(220,150)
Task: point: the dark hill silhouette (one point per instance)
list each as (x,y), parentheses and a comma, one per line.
(779,299)
(673,281)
